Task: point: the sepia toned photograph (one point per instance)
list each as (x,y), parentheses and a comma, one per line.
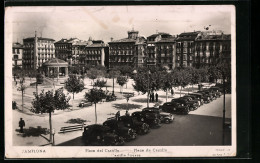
(120,81)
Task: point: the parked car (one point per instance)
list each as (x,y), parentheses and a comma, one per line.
(174,107)
(100,135)
(190,99)
(152,119)
(206,98)
(193,97)
(217,90)
(198,96)
(206,93)
(139,127)
(120,129)
(164,116)
(191,105)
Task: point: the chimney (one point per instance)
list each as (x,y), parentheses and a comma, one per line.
(111,39)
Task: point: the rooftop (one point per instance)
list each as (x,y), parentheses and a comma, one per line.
(39,38)
(124,40)
(17,45)
(55,62)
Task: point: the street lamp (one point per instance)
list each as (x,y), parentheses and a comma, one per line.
(148,87)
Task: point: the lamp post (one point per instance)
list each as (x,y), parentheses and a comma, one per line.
(148,88)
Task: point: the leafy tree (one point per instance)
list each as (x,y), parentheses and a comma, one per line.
(126,71)
(47,102)
(182,78)
(95,95)
(113,73)
(167,82)
(39,79)
(147,82)
(74,84)
(121,80)
(100,83)
(22,88)
(94,74)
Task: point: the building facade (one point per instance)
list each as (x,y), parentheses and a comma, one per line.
(37,50)
(210,47)
(185,49)
(94,54)
(130,51)
(17,55)
(166,52)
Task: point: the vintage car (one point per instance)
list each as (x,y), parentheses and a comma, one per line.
(152,119)
(198,96)
(110,97)
(100,135)
(195,98)
(164,116)
(208,94)
(174,107)
(216,89)
(191,104)
(192,99)
(206,98)
(120,129)
(139,127)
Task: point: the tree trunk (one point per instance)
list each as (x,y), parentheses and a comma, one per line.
(224,110)
(50,127)
(95,114)
(166,95)
(73,96)
(113,86)
(22,99)
(148,99)
(36,87)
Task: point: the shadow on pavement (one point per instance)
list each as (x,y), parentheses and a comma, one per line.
(126,106)
(144,100)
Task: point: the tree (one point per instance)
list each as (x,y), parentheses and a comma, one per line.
(95,95)
(94,74)
(182,78)
(22,88)
(39,79)
(100,83)
(121,80)
(125,71)
(113,73)
(74,84)
(167,82)
(147,81)
(47,102)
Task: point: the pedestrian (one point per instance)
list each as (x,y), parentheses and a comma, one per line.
(127,113)
(21,125)
(117,115)
(172,92)
(156,97)
(15,82)
(152,97)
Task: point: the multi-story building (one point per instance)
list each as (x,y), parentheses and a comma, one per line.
(37,50)
(185,49)
(151,48)
(210,46)
(17,55)
(63,48)
(166,52)
(94,54)
(130,51)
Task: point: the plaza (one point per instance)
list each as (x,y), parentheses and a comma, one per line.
(104,110)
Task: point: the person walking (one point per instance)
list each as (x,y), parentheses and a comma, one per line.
(21,125)
(127,113)
(152,97)
(156,97)
(172,92)
(117,115)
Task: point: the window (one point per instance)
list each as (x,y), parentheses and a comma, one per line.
(184,57)
(15,56)
(190,57)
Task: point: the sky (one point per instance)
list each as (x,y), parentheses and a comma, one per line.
(104,22)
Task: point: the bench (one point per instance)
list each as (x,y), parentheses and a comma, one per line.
(71,128)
